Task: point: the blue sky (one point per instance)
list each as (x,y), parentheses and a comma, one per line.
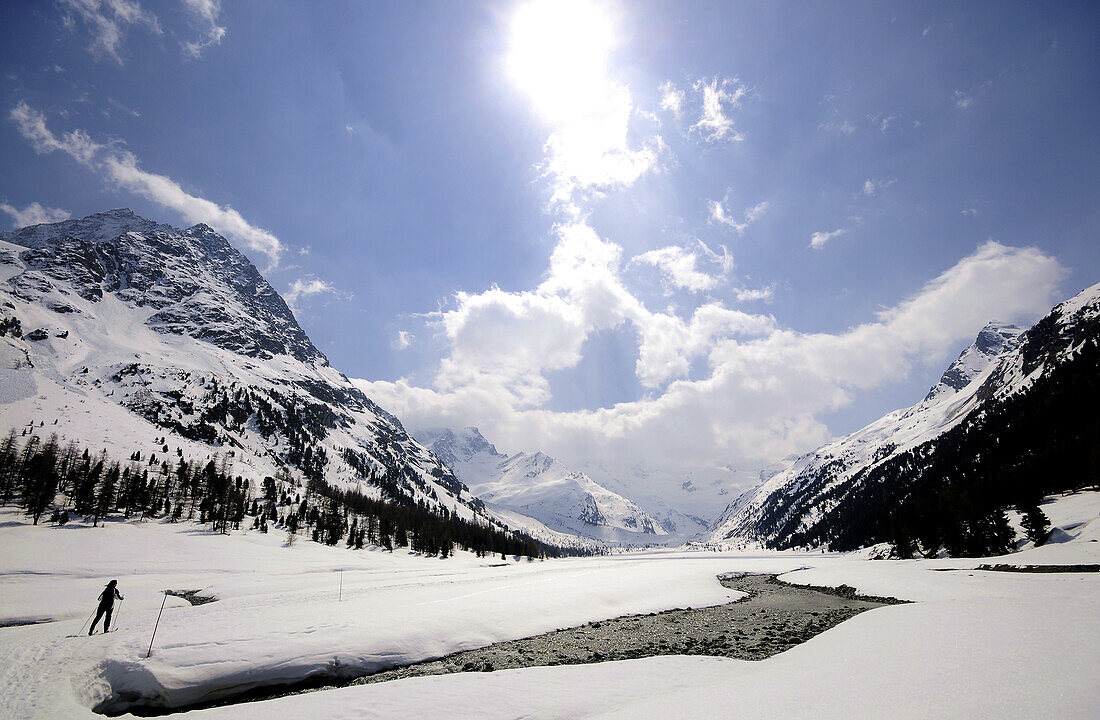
(719,230)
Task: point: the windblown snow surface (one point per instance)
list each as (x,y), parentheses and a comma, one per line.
(973,644)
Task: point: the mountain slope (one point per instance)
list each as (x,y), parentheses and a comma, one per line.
(858,490)
(129,335)
(537,486)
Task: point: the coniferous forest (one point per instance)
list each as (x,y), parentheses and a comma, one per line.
(55,482)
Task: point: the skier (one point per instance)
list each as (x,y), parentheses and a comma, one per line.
(106,605)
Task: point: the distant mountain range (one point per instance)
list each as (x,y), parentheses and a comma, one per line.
(536,486)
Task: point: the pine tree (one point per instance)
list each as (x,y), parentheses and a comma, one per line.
(40,479)
(1036,523)
(9,454)
(106,493)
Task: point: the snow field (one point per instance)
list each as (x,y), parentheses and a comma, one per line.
(279,615)
(974,644)
(995,645)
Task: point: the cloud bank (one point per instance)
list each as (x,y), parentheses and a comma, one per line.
(762,388)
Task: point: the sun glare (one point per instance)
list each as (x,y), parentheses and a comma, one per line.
(559,54)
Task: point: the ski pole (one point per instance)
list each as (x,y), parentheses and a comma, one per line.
(86,623)
(157,624)
(117,615)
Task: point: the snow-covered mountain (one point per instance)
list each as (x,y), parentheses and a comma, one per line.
(536,486)
(121,333)
(1004,361)
(685,502)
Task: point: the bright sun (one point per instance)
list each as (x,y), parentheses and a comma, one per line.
(559,53)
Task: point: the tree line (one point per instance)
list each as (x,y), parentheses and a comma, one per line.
(65,480)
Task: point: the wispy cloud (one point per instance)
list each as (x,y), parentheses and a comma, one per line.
(307,287)
(844,127)
(962,100)
(672,98)
(34,214)
(872,187)
(818,239)
(402,340)
(32,126)
(205,14)
(719,96)
(121,167)
(108,22)
(719,215)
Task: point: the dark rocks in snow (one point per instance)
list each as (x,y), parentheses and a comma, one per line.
(200,285)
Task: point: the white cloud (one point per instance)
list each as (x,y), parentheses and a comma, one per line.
(108,21)
(32,126)
(755,294)
(873,187)
(121,168)
(590,151)
(885,123)
(763,388)
(672,98)
(724,259)
(962,100)
(714,123)
(308,287)
(205,14)
(818,239)
(34,214)
(721,216)
(844,127)
(678,266)
(403,340)
(971,212)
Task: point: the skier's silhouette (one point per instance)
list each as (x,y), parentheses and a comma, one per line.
(106,605)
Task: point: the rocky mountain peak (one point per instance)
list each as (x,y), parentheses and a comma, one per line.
(454,448)
(993,340)
(196,281)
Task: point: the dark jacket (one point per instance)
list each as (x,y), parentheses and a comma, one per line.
(107,597)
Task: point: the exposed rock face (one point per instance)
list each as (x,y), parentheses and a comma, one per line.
(141,330)
(197,283)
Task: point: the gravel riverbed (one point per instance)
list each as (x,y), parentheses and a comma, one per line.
(774,617)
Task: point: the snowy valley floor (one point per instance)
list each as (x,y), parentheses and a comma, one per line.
(972,644)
